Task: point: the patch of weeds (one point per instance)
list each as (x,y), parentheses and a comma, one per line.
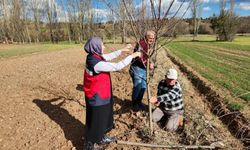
(246,97)
(235,106)
(144,134)
(226,100)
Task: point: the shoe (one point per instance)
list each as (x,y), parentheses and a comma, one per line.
(139,106)
(135,107)
(107,140)
(88,145)
(142,106)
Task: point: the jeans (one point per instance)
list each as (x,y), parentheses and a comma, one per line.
(139,77)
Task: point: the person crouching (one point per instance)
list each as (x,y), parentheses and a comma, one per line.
(169,101)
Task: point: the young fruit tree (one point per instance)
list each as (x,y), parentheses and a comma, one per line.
(159,16)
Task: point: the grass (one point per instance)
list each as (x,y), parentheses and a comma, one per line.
(240,42)
(225,64)
(23,49)
(236,106)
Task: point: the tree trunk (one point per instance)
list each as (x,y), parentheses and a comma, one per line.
(149,96)
(114,41)
(123,32)
(28,33)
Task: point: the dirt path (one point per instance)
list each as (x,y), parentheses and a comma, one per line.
(42,106)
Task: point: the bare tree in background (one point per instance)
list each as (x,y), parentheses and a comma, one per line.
(244,25)
(82,9)
(89,19)
(196,8)
(16,23)
(118,12)
(1,21)
(49,15)
(35,4)
(79,18)
(122,22)
(111,26)
(50,8)
(5,28)
(66,20)
(40,20)
(25,21)
(72,8)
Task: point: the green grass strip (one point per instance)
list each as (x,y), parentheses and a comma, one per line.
(211,66)
(18,50)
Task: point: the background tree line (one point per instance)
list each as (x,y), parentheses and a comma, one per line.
(24,21)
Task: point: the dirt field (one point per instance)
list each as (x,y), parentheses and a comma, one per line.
(42,106)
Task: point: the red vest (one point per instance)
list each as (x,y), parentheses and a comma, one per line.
(97,86)
(141,61)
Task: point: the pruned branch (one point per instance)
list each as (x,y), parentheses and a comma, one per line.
(167,146)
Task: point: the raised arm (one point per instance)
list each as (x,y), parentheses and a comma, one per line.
(109,67)
(117,53)
(112,55)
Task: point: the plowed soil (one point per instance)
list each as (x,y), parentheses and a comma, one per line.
(42,106)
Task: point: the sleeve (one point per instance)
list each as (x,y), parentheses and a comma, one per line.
(159,91)
(112,55)
(136,49)
(103,66)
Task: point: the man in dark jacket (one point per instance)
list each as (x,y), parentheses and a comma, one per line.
(138,70)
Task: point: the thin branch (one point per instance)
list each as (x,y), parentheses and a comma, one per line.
(178,20)
(172,16)
(167,146)
(153,9)
(159,10)
(111,8)
(131,20)
(170,6)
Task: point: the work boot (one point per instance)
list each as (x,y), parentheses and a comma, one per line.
(107,140)
(139,107)
(88,145)
(142,106)
(135,107)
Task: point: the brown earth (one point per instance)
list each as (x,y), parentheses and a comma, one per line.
(42,106)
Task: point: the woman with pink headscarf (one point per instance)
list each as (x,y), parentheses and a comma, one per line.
(98,90)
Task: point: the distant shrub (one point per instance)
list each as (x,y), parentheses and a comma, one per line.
(226,24)
(205,29)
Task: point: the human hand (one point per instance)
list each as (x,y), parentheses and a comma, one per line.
(154,100)
(136,54)
(180,120)
(127,48)
(151,66)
